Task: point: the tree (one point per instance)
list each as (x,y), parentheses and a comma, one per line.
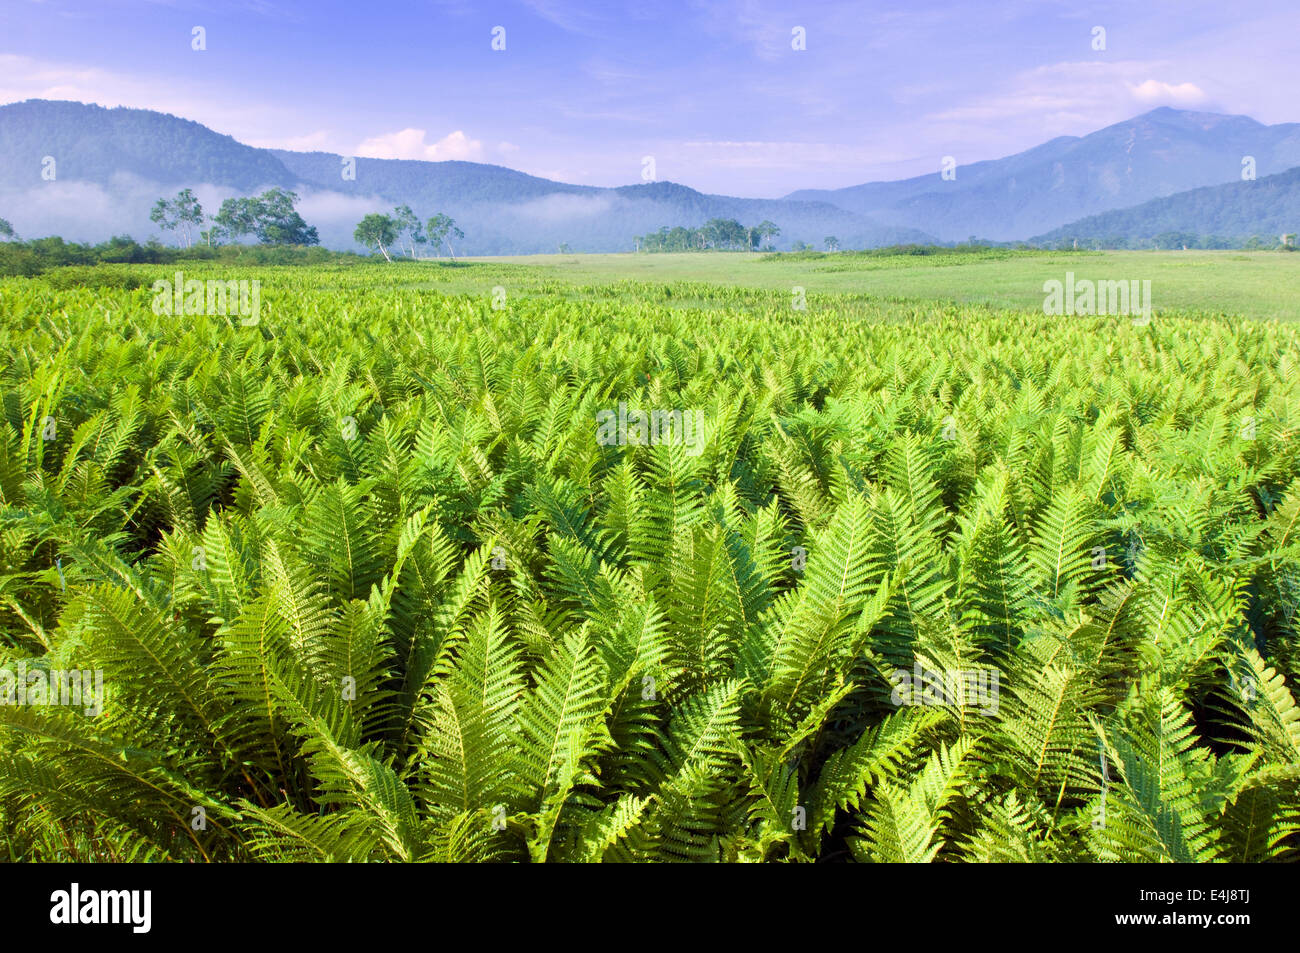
(179,214)
(715,233)
(408,225)
(730,233)
(189,212)
(722,233)
(278,222)
(163,215)
(270,216)
(377,231)
(441,228)
(7,230)
(832,243)
(1175,239)
(236,218)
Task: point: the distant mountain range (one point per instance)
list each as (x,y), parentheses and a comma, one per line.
(1153,155)
(514,213)
(1268,208)
(110,164)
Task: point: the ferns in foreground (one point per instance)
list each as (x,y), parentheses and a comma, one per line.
(362,584)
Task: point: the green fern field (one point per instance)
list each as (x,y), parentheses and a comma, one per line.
(399,575)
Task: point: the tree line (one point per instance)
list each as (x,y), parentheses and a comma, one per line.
(271,217)
(717,233)
(1173,240)
(722,234)
(382,232)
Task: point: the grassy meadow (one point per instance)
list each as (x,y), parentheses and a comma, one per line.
(627,558)
(1234,283)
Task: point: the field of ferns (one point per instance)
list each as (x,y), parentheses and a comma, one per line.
(366,580)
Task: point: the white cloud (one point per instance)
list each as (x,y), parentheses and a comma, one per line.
(319,141)
(784,155)
(1064,98)
(554,209)
(410,144)
(88,211)
(331,208)
(1057,94)
(1154,91)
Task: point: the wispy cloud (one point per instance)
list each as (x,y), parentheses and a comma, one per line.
(319,141)
(1070,98)
(786,155)
(411,144)
(713,88)
(1181,94)
(572,17)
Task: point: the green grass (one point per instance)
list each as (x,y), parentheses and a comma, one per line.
(368,580)
(1255,285)
(1234,283)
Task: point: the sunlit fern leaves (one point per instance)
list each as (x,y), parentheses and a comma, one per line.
(363,584)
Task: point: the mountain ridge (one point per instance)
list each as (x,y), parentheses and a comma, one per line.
(1266,207)
(1158,153)
(121,159)
(112,162)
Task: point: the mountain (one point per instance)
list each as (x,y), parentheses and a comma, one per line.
(111,164)
(1267,207)
(94,144)
(1159,153)
(515,213)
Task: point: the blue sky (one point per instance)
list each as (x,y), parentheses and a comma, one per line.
(713,90)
